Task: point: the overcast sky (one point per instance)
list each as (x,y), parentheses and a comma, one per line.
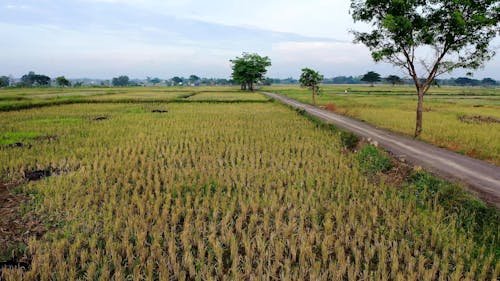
(106,38)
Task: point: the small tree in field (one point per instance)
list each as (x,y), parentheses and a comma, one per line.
(61,81)
(393,79)
(311,80)
(371,77)
(458,31)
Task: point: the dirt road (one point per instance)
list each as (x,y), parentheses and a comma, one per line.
(479,177)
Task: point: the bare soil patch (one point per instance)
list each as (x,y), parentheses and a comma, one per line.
(101,118)
(15,228)
(18,145)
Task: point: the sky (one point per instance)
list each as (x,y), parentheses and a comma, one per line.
(165,38)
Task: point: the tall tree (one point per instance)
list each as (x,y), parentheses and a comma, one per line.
(459,32)
(249,69)
(311,80)
(371,77)
(393,79)
(61,81)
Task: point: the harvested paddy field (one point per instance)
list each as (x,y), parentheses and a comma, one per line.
(226,191)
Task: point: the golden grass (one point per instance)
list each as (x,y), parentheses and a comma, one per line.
(221,192)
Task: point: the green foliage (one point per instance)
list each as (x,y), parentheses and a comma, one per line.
(393,79)
(249,69)
(193,78)
(120,81)
(32,79)
(349,140)
(14,137)
(461,28)
(177,80)
(371,77)
(311,79)
(4,81)
(372,160)
(459,32)
(61,81)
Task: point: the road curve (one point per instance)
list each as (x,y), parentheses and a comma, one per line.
(479,177)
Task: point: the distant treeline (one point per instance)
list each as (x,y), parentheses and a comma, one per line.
(39,80)
(461,81)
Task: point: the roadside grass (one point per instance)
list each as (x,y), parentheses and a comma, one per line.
(373,160)
(426,191)
(468,212)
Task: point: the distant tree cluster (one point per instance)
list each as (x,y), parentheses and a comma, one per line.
(120,81)
(32,79)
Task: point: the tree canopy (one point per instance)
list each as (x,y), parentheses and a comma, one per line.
(394,79)
(458,32)
(249,69)
(311,80)
(371,77)
(61,81)
(120,81)
(4,81)
(32,79)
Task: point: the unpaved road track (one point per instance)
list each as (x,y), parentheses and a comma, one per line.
(480,177)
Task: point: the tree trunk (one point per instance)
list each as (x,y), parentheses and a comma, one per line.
(243,86)
(251,86)
(420,108)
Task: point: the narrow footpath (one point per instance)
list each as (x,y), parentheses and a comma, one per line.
(479,177)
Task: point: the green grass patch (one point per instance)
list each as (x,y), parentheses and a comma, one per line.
(14,137)
(373,160)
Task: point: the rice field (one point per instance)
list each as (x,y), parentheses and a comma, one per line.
(222,191)
(465,120)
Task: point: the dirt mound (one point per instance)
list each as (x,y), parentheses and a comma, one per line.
(478,119)
(101,118)
(37,174)
(18,144)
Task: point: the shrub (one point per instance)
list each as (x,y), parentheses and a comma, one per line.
(349,140)
(372,160)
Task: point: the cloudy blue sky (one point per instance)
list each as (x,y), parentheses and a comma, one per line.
(106,38)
